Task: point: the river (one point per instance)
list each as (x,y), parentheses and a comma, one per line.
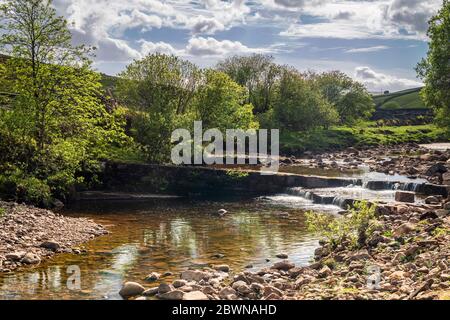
(172,235)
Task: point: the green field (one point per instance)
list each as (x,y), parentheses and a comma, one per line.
(406,99)
(365,134)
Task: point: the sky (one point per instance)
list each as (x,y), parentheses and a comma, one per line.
(377,42)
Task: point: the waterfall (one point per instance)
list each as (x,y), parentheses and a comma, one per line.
(410,186)
(321,199)
(379,185)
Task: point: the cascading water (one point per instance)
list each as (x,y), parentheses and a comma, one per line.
(371,188)
(410,186)
(334,200)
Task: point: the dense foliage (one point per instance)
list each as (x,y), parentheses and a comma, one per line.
(348,97)
(56,127)
(284,98)
(166,93)
(299,106)
(435,68)
(258,73)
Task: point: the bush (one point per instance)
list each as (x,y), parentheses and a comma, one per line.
(301,107)
(21,188)
(355,228)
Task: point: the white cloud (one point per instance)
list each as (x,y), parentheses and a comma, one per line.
(200,46)
(367,49)
(204,25)
(377,81)
(103,23)
(365,19)
(148,47)
(115,26)
(411,15)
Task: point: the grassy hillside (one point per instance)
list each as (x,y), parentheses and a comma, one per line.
(366,134)
(406,99)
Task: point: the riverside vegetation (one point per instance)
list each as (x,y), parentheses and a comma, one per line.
(59,124)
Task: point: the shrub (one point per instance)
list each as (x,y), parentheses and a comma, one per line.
(356,228)
(2,212)
(21,188)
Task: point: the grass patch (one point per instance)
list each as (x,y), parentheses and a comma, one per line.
(367,134)
(406,99)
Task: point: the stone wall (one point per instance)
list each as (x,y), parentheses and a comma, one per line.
(201,181)
(403,115)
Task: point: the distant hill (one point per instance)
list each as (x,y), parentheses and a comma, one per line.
(406,99)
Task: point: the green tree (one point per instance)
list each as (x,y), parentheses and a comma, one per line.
(39,41)
(435,68)
(258,73)
(57,126)
(299,106)
(350,98)
(160,89)
(220,103)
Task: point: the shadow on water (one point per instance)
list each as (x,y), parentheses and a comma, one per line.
(166,236)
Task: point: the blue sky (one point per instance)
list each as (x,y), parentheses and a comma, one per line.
(378,42)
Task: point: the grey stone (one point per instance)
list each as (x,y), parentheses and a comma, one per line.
(131,289)
(172,295)
(195,295)
(50,245)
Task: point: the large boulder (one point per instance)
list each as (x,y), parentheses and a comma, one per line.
(223,268)
(193,275)
(403,196)
(195,295)
(31,258)
(50,245)
(283,265)
(404,229)
(172,295)
(164,288)
(179,283)
(436,169)
(131,289)
(15,256)
(226,292)
(150,292)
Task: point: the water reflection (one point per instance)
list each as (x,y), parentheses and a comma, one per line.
(166,237)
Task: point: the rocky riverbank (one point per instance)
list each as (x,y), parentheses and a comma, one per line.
(410,160)
(407,258)
(29,235)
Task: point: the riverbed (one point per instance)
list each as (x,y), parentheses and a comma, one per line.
(166,236)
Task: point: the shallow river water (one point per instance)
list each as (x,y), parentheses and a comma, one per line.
(166,236)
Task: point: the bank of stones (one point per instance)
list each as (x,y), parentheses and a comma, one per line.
(407,258)
(409,159)
(30,235)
